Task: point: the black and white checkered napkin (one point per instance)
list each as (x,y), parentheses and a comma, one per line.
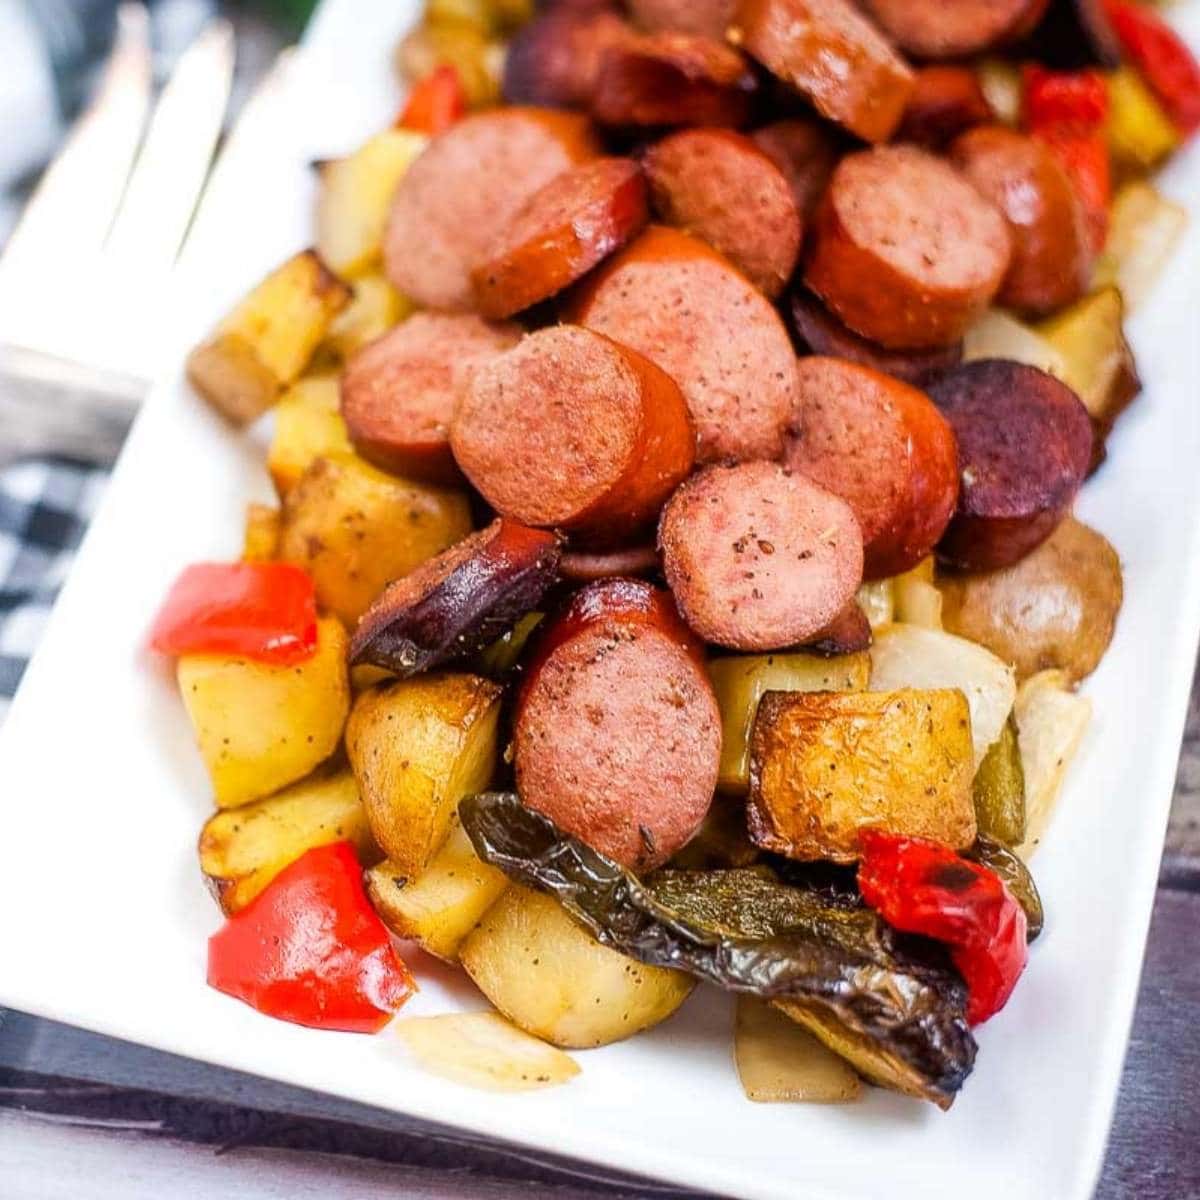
(45,507)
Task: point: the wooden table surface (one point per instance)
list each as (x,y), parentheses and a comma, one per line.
(85,1116)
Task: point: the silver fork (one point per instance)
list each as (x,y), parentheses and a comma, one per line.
(83,275)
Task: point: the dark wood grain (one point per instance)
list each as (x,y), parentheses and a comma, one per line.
(1181,855)
(1153,1151)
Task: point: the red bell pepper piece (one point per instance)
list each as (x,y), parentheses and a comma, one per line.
(435,103)
(264,611)
(310,948)
(1164,60)
(1067,111)
(921,886)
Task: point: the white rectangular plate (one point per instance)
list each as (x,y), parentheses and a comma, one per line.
(105,916)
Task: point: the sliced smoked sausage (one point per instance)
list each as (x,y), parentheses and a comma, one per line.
(554,60)
(1051,260)
(617,736)
(904,250)
(578,219)
(1024,446)
(460,601)
(399,392)
(710,17)
(805,151)
(937,29)
(464,189)
(672,79)
(571,430)
(946,101)
(582,567)
(718,185)
(830,52)
(759,557)
(884,448)
(685,307)
(823,333)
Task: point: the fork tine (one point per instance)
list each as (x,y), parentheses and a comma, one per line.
(73,206)
(175,157)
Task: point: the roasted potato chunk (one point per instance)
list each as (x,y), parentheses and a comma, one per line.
(357,528)
(261,727)
(918,602)
(907,656)
(779,1061)
(268,339)
(417,747)
(878,600)
(825,765)
(1140,134)
(308,426)
(376,308)
(740,681)
(444,902)
(260,538)
(1057,607)
(242,850)
(356,194)
(553,979)
(478,60)
(1098,364)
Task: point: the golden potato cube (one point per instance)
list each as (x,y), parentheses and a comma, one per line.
(308,425)
(740,680)
(1144,229)
(357,528)
(552,978)
(268,339)
(261,727)
(1098,362)
(462,46)
(417,747)
(243,849)
(260,539)
(376,308)
(356,195)
(779,1061)
(444,902)
(1140,134)
(826,765)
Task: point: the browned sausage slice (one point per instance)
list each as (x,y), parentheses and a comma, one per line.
(464,189)
(937,29)
(819,330)
(582,567)
(946,101)
(678,302)
(573,431)
(578,219)
(458,602)
(886,450)
(1051,261)
(720,186)
(618,735)
(672,79)
(1024,445)
(554,60)
(805,151)
(710,17)
(848,633)
(399,392)
(759,557)
(904,250)
(833,54)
